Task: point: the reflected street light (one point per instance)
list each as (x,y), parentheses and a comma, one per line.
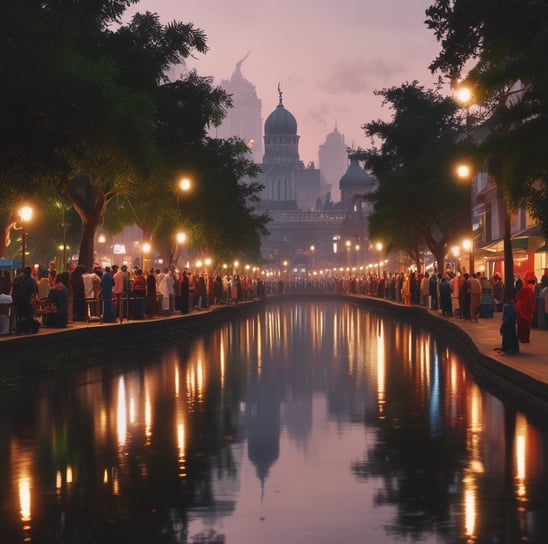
(25,215)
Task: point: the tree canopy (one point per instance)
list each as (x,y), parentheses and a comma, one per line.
(418,201)
(89,112)
(500,49)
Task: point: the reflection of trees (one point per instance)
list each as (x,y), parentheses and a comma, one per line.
(417,463)
(418,473)
(146,499)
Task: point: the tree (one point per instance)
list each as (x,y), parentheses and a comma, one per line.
(506,44)
(418,201)
(89,125)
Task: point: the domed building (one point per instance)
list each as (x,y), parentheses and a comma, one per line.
(288,184)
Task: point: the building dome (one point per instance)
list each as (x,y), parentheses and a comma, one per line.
(356,177)
(280,121)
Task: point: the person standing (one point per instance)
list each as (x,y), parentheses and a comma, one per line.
(544,299)
(117,289)
(150,299)
(465,297)
(475,297)
(185,293)
(139,288)
(525,308)
(59,297)
(23,292)
(508,331)
(107,285)
(455,298)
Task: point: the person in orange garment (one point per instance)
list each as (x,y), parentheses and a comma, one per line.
(525,307)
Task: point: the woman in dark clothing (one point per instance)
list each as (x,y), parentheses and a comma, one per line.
(139,288)
(508,329)
(185,293)
(59,296)
(150,298)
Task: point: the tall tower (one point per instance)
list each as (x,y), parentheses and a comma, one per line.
(333,162)
(244,118)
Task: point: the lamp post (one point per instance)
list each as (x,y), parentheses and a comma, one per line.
(378,247)
(464,172)
(184,186)
(181,239)
(25,215)
(146,247)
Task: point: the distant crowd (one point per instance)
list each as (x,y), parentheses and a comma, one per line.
(453,294)
(42,296)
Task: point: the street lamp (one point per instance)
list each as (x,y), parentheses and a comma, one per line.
(181,239)
(378,247)
(464,97)
(146,248)
(464,172)
(25,215)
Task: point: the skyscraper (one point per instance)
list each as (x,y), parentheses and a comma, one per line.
(244,118)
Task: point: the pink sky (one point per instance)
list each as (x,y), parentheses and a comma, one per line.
(328,55)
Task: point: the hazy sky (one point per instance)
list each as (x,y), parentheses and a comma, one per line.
(328,55)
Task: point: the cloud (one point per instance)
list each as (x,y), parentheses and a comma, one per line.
(357,76)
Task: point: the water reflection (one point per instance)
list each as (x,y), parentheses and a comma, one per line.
(310,422)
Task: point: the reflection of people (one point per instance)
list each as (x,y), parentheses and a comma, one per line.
(508,330)
(525,308)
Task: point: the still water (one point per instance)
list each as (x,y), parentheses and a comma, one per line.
(308,422)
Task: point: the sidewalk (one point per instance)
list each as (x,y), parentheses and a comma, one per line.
(532,359)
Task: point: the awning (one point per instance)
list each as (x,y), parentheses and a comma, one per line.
(6,263)
(521,245)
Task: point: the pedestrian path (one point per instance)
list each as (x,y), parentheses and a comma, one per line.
(533,357)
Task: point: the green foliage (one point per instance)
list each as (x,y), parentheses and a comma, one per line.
(505,42)
(89,112)
(418,200)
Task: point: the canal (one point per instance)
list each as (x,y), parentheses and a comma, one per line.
(305,422)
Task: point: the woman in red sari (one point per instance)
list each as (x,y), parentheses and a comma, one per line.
(525,308)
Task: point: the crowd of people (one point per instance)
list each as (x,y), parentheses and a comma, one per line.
(42,296)
(114,293)
(453,294)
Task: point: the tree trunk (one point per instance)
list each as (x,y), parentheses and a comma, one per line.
(86,256)
(508,258)
(90,203)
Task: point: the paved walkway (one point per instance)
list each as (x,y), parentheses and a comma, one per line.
(533,357)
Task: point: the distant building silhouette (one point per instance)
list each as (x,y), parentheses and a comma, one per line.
(333,164)
(244,119)
(288,185)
